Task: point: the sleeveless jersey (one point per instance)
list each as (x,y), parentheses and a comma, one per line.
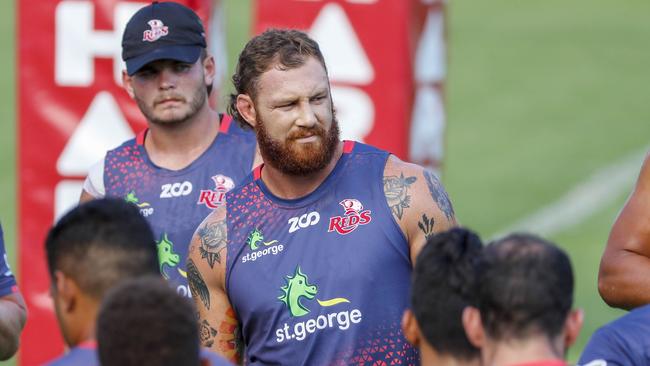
(175,202)
(86,355)
(623,342)
(7,279)
(83,355)
(323,279)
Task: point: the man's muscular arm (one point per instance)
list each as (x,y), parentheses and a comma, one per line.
(418,202)
(624,276)
(13,313)
(206,268)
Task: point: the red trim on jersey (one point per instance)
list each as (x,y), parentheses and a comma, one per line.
(91,344)
(257,172)
(226,119)
(139,139)
(14,289)
(348,146)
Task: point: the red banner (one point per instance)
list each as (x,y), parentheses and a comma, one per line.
(71,110)
(386,61)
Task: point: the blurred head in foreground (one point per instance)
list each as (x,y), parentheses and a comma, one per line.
(144,322)
(92,248)
(443,282)
(524,294)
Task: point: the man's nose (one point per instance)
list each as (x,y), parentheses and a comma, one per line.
(307,116)
(167,79)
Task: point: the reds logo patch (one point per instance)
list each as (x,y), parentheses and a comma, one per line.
(215,198)
(158,29)
(353,217)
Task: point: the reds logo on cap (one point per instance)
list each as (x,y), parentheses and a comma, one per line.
(158,29)
(353,217)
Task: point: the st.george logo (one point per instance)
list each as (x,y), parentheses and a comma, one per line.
(158,29)
(215,198)
(297,289)
(354,216)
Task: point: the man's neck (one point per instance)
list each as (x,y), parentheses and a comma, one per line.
(175,147)
(291,186)
(515,352)
(86,322)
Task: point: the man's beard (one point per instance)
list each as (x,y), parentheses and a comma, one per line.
(199,98)
(294,158)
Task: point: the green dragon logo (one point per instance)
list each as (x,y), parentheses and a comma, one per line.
(131,198)
(255,238)
(297,288)
(166,255)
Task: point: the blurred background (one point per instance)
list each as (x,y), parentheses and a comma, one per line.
(548,121)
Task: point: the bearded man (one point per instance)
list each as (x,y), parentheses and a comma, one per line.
(309,261)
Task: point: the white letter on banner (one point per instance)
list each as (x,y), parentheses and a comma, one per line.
(78,43)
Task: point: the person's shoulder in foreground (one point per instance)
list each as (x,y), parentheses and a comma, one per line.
(625,341)
(12,307)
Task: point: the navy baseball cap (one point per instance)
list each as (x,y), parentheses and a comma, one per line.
(162,31)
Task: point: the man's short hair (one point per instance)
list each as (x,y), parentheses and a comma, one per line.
(289,48)
(100,243)
(524,288)
(443,283)
(144,322)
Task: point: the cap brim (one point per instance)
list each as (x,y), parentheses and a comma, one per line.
(188,54)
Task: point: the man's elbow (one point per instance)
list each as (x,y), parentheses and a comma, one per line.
(612,287)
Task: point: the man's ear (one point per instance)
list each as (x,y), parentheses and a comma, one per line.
(67,291)
(410,328)
(209,70)
(473,326)
(246,109)
(572,327)
(126,81)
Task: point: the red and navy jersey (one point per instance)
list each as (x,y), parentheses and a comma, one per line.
(86,355)
(83,355)
(323,279)
(176,201)
(623,342)
(7,279)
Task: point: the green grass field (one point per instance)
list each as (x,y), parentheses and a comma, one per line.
(540,94)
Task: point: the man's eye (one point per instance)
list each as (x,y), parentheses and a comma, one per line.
(182,67)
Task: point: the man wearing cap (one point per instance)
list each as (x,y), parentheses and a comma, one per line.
(178,169)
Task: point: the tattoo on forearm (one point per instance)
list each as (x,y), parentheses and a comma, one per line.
(439,194)
(231,342)
(396,191)
(213,239)
(426,225)
(197,284)
(207,333)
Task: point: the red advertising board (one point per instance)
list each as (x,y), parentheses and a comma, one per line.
(71,110)
(386,61)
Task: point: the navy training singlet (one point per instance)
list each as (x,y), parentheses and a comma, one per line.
(324,279)
(7,279)
(623,342)
(175,202)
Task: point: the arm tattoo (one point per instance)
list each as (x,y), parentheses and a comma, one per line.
(231,342)
(213,239)
(396,191)
(426,225)
(438,194)
(197,284)
(207,333)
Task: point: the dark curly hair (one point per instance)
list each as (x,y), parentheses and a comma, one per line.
(289,48)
